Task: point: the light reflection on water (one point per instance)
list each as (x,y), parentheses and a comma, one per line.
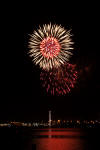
(59,139)
(49,139)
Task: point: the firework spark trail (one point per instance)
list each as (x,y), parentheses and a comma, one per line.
(50,46)
(59,81)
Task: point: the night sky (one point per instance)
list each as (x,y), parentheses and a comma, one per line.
(22,97)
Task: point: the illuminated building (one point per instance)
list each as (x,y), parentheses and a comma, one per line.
(49,118)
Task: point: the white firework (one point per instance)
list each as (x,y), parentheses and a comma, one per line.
(50,46)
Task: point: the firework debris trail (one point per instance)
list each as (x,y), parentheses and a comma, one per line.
(59,81)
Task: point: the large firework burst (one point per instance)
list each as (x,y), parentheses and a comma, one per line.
(50,46)
(59,81)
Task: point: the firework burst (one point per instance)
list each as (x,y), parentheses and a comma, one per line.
(59,81)
(50,46)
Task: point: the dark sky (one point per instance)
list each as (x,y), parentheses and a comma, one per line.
(21,94)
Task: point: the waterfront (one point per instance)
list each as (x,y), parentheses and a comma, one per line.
(50,139)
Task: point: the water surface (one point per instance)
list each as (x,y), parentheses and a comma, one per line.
(50,139)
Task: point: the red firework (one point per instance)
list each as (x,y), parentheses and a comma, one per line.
(49,47)
(59,81)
